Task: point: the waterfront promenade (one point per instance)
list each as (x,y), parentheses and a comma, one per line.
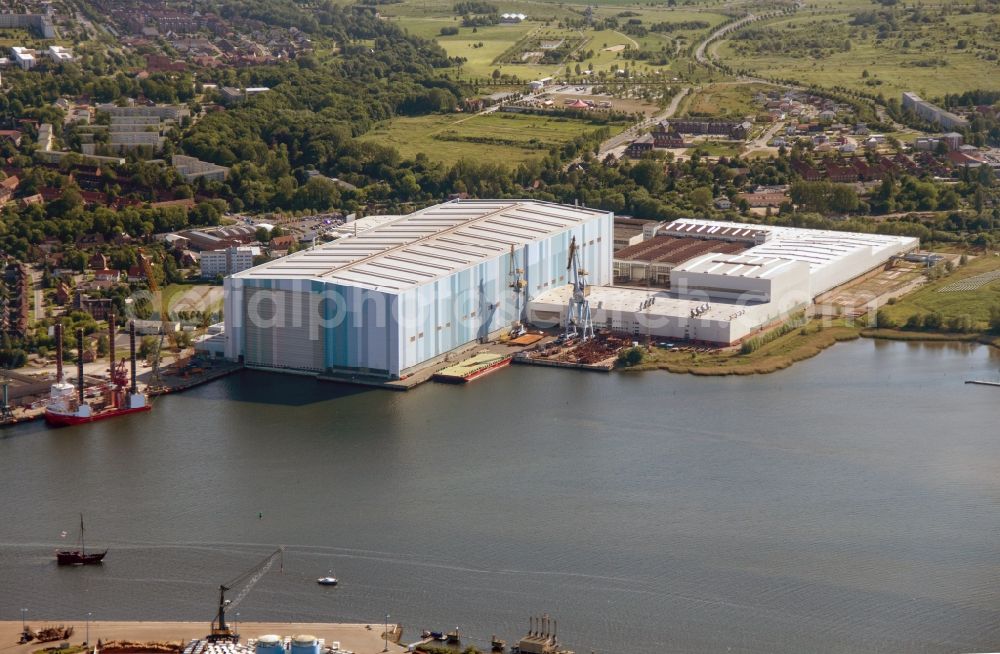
(358,638)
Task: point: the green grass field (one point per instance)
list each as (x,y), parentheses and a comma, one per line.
(499,138)
(483,46)
(719,148)
(922,58)
(734,100)
(974,303)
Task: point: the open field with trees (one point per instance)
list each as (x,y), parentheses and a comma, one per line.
(933,309)
(723,100)
(498,137)
(946,48)
(648,38)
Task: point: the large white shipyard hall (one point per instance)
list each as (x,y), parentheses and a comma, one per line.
(410,290)
(414,288)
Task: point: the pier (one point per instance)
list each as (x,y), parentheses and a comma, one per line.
(981,382)
(357,638)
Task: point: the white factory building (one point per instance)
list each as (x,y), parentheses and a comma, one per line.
(23,57)
(409,290)
(227,261)
(722,298)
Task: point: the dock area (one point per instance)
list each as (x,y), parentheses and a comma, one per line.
(598,354)
(174,379)
(427,371)
(357,638)
(30,404)
(475,366)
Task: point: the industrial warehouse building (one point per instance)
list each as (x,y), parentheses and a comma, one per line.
(410,290)
(413,288)
(725,281)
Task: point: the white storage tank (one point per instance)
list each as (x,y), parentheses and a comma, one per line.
(269,644)
(305,644)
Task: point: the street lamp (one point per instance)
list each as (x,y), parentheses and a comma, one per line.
(87,642)
(23,628)
(237,625)
(386,633)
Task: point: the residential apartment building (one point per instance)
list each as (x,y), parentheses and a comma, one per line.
(228,261)
(932,113)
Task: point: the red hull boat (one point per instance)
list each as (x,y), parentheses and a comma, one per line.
(63,419)
(118,399)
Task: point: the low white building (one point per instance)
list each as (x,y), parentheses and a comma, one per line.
(741,277)
(661,315)
(153,327)
(24,57)
(45,137)
(192,169)
(228,261)
(59,54)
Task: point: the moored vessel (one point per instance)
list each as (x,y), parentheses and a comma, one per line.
(118,398)
(472,368)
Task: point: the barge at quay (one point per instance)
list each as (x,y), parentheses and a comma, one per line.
(473,368)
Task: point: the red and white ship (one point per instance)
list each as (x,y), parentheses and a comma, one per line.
(68,406)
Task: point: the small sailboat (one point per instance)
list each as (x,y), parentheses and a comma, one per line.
(328,580)
(79,556)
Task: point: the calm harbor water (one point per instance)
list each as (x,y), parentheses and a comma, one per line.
(850,503)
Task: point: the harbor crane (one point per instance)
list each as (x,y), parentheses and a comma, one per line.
(221,630)
(154,289)
(578,322)
(517,284)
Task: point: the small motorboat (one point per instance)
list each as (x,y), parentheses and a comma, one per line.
(327,581)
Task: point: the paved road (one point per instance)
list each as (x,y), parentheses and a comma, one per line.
(699,54)
(36,286)
(761,141)
(633,132)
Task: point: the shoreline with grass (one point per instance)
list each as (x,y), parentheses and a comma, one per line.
(787,349)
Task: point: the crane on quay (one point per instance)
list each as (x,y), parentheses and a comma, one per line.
(518,284)
(578,322)
(221,630)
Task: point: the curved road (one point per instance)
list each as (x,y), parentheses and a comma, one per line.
(699,53)
(633,132)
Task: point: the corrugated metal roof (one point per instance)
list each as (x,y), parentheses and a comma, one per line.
(740,265)
(428,244)
(816,247)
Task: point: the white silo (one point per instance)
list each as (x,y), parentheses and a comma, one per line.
(305,644)
(269,644)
